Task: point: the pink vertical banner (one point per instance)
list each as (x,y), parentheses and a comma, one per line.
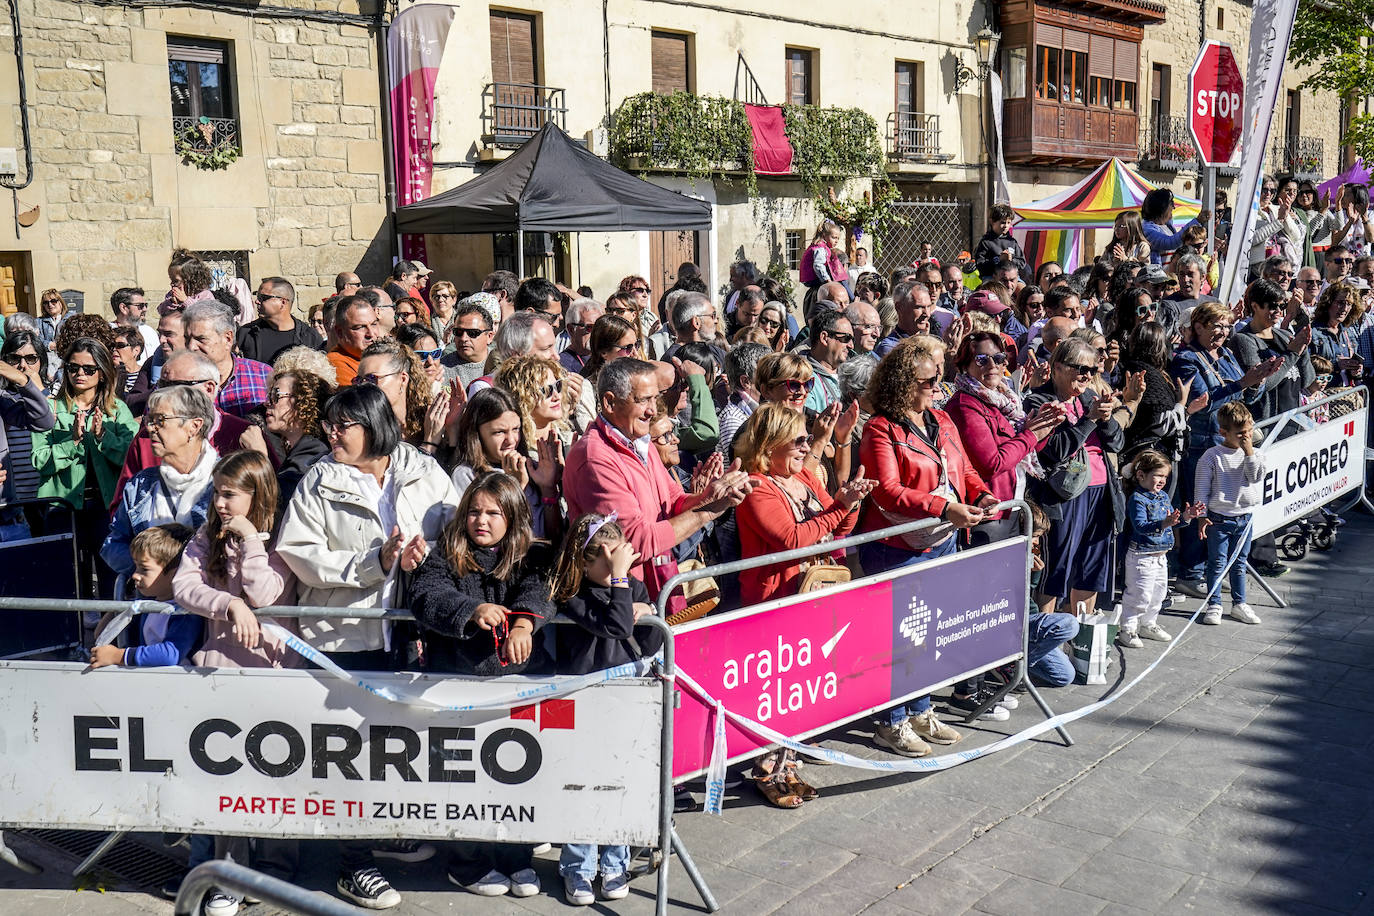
(415,48)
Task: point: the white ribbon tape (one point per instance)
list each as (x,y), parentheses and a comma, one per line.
(715,773)
(541,689)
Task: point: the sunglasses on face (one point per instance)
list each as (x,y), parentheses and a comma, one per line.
(372,378)
(627,350)
(469,333)
(265,297)
(930,382)
(430,356)
(334,430)
(620,311)
(1340,260)
(843,338)
(769,323)
(1142,310)
(166,382)
(990,359)
(1080,371)
(80,369)
(1224,328)
(276,394)
(27,359)
(52,301)
(803,441)
(551,389)
(1268,190)
(1324,378)
(796,386)
(575,326)
(639,291)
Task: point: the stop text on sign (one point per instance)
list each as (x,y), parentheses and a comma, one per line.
(1214,104)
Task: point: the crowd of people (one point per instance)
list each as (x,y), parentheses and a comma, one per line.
(490,459)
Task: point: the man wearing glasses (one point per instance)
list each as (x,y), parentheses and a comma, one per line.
(184,367)
(582,314)
(130,307)
(1339,263)
(471,336)
(275,329)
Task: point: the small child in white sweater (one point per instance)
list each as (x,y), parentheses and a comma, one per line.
(1228,484)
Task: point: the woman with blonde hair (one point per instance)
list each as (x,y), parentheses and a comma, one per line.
(537,385)
(53,312)
(443,300)
(394,368)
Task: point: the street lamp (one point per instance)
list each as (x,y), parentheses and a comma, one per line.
(986,42)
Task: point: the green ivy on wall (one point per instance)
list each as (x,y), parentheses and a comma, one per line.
(701,136)
(829,143)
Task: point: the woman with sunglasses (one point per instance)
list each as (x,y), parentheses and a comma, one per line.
(128,351)
(1263,339)
(772,320)
(410,310)
(443,300)
(394,368)
(80,457)
(52,314)
(1336,315)
(999,436)
(295,398)
(1077,489)
(23,411)
(612,337)
(655,339)
(1133,307)
(1209,367)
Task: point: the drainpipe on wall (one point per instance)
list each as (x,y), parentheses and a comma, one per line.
(23,107)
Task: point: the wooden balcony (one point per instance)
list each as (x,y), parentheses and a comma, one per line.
(1041,132)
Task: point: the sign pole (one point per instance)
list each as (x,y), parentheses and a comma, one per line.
(1209,197)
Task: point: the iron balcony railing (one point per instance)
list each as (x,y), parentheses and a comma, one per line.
(514,112)
(1167,145)
(914,136)
(1300,157)
(205,135)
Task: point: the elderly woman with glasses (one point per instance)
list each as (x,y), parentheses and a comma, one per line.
(772,320)
(1077,488)
(178,489)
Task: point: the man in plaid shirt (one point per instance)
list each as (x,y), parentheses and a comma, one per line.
(210,329)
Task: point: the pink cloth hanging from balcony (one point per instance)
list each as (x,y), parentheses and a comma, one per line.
(772,151)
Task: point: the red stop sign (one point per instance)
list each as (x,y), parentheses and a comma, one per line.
(1216,100)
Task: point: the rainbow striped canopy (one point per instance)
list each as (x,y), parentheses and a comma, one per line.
(1051,229)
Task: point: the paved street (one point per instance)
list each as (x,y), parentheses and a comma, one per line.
(1235,780)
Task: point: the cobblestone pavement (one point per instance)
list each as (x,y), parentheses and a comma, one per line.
(1236,779)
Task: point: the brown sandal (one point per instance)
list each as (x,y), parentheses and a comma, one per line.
(800,787)
(778,792)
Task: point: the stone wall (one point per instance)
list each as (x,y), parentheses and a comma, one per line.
(306,198)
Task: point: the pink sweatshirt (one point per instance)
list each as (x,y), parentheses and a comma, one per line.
(254,574)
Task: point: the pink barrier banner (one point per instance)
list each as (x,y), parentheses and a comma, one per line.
(414,49)
(805,664)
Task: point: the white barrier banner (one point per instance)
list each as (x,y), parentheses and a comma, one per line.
(1310,469)
(299,754)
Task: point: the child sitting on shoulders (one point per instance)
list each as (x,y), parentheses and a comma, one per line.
(594,589)
(164,639)
(1228,484)
(1152,518)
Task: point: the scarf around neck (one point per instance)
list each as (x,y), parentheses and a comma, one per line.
(185,489)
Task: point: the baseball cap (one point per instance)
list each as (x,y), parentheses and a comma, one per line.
(1357,282)
(421,269)
(1154,274)
(986,302)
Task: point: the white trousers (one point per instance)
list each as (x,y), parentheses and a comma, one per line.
(1147,584)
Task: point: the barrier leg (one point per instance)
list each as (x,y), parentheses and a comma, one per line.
(1273,596)
(98,853)
(690,868)
(1362,500)
(1021,669)
(19,862)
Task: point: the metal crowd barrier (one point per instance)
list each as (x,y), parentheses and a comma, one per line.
(231,876)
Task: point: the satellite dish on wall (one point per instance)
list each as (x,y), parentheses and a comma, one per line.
(27,217)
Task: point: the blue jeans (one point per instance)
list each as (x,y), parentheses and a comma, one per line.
(1223,540)
(1044,662)
(583,859)
(876,558)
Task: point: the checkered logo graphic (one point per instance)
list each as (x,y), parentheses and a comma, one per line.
(916,622)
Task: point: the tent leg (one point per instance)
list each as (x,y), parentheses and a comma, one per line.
(519,254)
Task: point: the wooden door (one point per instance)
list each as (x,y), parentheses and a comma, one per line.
(16,295)
(800,85)
(518,105)
(671,62)
(667,251)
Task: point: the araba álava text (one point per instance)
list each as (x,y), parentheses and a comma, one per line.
(778,694)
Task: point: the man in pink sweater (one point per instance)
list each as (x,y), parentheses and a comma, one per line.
(614,468)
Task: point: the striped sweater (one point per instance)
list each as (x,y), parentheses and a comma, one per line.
(1228,481)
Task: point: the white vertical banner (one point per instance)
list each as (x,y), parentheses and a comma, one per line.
(1001,193)
(1271,31)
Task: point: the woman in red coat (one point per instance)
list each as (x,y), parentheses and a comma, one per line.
(914,452)
(998,435)
(789,507)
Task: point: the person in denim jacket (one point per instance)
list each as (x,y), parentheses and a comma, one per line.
(1152,518)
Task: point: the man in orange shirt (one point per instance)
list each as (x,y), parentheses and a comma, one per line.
(355,326)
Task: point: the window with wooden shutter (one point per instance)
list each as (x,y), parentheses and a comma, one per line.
(670,55)
(1100,72)
(1075,79)
(1126,64)
(514,55)
(800,76)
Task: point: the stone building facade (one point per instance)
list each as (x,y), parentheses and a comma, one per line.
(296,94)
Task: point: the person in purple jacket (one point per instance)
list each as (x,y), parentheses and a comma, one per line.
(164,639)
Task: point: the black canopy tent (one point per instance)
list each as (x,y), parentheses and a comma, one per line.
(553,184)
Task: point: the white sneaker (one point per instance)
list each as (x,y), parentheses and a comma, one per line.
(221,904)
(1243,613)
(492,884)
(615,887)
(524,883)
(1156,632)
(1129,638)
(577,890)
(1009,701)
(1211,615)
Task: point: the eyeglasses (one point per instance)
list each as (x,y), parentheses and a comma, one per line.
(334,430)
(620,311)
(408,315)
(52,301)
(276,394)
(265,298)
(165,382)
(127,346)
(575,326)
(430,356)
(1323,378)
(1142,310)
(1268,189)
(803,441)
(469,333)
(1080,371)
(1340,260)
(80,369)
(797,386)
(1221,327)
(1311,281)
(138,305)
(930,382)
(1286,274)
(842,338)
(27,359)
(159,420)
(1267,306)
(372,378)
(639,290)
(990,359)
(627,350)
(669,437)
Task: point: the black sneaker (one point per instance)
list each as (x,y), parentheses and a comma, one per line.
(1271,570)
(967,705)
(404,850)
(367,888)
